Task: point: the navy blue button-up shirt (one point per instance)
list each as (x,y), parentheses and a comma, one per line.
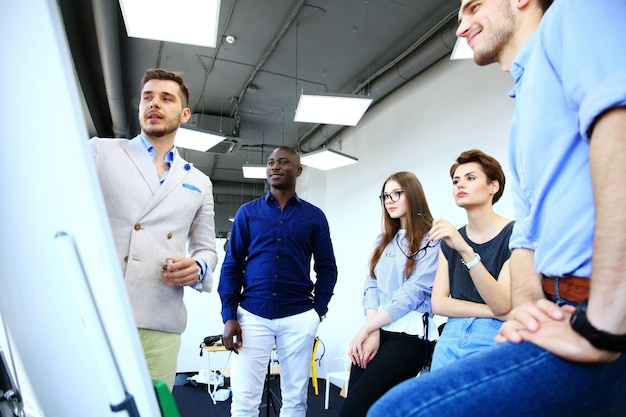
(268,261)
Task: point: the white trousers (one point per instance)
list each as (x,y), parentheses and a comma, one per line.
(293,337)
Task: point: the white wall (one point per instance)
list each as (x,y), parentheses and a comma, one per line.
(203,319)
(422,128)
(453,107)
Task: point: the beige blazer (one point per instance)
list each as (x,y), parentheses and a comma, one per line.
(151,222)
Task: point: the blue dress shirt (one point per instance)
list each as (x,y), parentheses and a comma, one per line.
(562,84)
(267,264)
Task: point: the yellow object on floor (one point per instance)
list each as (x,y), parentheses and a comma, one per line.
(314,367)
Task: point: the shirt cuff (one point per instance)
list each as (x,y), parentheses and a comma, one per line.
(202,265)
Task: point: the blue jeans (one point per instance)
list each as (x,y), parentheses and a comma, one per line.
(462,337)
(510,379)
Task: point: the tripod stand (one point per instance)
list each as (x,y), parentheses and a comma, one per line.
(271,400)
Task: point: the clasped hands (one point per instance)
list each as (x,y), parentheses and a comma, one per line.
(547,325)
(363,347)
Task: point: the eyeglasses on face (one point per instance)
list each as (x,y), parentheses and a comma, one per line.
(392,196)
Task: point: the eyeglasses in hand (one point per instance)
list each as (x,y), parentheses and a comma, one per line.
(419,254)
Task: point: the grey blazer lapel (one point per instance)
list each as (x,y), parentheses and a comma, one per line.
(175,176)
(137,152)
(178,171)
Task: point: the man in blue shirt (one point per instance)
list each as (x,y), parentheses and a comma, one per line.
(268,297)
(561,351)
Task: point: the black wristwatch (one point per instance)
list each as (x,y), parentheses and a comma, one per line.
(598,338)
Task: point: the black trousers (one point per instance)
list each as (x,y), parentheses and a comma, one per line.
(400,357)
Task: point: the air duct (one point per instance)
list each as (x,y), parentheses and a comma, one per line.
(217,124)
(105,15)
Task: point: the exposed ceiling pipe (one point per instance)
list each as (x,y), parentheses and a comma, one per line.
(91,127)
(105,16)
(281,32)
(396,74)
(209,68)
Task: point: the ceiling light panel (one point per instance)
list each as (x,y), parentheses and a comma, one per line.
(198,140)
(461,50)
(326,159)
(254,171)
(191,22)
(343,110)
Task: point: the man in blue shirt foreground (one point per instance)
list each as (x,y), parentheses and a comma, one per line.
(268,297)
(561,351)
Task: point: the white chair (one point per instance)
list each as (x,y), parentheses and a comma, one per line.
(339,378)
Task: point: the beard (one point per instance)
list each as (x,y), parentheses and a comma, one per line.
(158,131)
(502,34)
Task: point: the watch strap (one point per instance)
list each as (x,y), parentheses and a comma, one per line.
(469,265)
(598,338)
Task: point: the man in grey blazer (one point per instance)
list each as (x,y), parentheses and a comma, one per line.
(161,213)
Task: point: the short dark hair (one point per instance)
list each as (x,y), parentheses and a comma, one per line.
(161,74)
(490,166)
(292,151)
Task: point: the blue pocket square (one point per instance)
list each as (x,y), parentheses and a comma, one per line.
(191,187)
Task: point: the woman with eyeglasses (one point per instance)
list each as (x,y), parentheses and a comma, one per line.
(393,343)
(472,286)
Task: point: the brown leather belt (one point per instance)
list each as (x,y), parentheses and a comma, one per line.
(571,288)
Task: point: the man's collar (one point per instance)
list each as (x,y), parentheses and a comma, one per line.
(169,157)
(269,197)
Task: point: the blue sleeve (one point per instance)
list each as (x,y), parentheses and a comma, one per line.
(521,237)
(324,265)
(593,73)
(231,276)
(370,294)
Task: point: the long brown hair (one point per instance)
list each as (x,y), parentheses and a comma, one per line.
(419,220)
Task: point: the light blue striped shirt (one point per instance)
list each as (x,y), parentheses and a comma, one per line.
(405,300)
